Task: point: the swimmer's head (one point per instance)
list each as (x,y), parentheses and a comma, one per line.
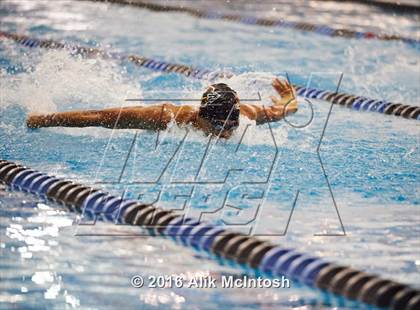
(220,107)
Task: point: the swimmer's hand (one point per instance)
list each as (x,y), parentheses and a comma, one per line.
(288,100)
(281,106)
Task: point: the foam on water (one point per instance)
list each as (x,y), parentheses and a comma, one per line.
(57,81)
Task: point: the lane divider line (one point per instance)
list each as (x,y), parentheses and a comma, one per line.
(267,22)
(248,251)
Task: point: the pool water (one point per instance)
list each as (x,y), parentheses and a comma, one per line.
(49,260)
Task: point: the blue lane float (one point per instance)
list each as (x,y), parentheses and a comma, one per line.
(269,259)
(354,102)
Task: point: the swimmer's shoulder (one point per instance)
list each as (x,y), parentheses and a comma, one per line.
(184,114)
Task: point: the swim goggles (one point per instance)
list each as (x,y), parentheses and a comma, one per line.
(219,124)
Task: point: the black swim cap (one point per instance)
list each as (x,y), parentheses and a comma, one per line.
(220,103)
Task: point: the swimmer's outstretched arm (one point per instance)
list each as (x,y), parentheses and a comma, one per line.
(281,106)
(142,117)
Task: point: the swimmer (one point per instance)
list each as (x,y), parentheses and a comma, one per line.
(218,113)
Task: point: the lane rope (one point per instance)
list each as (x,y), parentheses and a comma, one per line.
(354,102)
(303,26)
(247,251)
